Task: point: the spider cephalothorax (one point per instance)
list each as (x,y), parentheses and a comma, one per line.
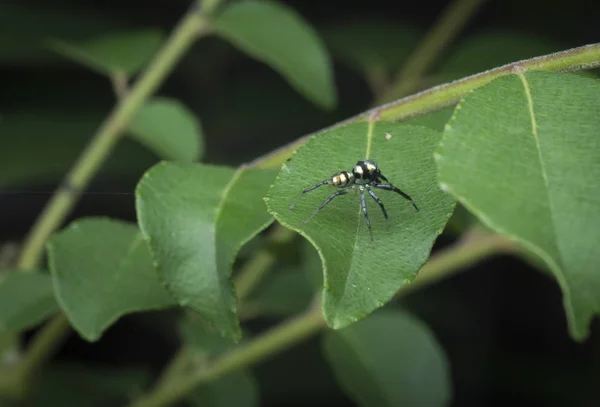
(364,176)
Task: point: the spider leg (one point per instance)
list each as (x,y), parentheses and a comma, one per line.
(363,205)
(341,192)
(376,198)
(308,190)
(390,187)
(383,178)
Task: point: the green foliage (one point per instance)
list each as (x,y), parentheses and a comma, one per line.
(169,129)
(278,36)
(26,299)
(360,277)
(102,270)
(390,359)
(206,340)
(119,53)
(524,142)
(195,218)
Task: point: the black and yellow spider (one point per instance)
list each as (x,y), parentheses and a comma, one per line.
(364,175)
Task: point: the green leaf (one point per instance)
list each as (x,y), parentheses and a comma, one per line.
(26,299)
(102,270)
(434,120)
(198,335)
(196,217)
(522,154)
(276,35)
(360,277)
(118,53)
(286,292)
(390,359)
(169,129)
(237,389)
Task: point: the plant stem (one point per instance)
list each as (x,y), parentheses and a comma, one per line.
(449,24)
(585,57)
(42,347)
(103,142)
(267,344)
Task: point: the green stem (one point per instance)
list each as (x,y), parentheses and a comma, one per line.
(268,344)
(103,142)
(444,31)
(585,57)
(42,347)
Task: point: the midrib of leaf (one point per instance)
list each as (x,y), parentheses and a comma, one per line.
(360,222)
(536,137)
(355,344)
(218,213)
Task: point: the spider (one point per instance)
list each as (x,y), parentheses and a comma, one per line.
(364,175)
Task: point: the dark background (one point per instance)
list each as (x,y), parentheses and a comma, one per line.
(501,323)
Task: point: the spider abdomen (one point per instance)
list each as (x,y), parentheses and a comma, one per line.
(341,179)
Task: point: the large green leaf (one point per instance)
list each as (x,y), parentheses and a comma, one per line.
(360,277)
(278,36)
(390,359)
(196,217)
(102,270)
(26,299)
(118,53)
(237,389)
(169,129)
(522,154)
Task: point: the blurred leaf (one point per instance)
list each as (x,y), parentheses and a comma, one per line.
(102,270)
(359,276)
(368,44)
(237,389)
(169,129)
(522,154)
(78,384)
(196,217)
(26,299)
(32,23)
(285,292)
(40,146)
(276,35)
(117,53)
(198,335)
(390,359)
